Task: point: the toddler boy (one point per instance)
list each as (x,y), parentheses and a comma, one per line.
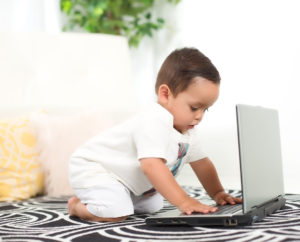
(131,167)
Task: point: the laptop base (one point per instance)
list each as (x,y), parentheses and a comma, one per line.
(190,220)
(173,217)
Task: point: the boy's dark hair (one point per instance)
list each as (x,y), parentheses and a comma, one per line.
(181,66)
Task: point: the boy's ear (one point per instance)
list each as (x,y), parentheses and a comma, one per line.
(163,94)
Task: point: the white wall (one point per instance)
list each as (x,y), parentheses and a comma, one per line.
(30,15)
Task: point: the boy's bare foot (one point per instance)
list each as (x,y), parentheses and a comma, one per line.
(72,202)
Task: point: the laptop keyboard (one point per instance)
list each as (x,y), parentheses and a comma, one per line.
(228,209)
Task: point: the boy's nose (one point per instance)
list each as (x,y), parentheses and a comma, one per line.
(198,117)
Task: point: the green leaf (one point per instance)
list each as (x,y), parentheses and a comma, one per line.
(66,6)
(148,15)
(160,20)
(97,12)
(130,18)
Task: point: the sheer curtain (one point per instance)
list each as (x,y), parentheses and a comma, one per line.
(30,16)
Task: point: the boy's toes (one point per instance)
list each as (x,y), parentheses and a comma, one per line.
(71,203)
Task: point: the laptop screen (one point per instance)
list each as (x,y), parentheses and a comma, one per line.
(260,155)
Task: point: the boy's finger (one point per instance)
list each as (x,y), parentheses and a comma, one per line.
(221,201)
(188,212)
(214,209)
(230,200)
(211,209)
(238,200)
(206,209)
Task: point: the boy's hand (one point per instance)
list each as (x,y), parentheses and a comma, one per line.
(223,198)
(191,205)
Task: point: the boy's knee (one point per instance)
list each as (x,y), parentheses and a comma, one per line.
(150,204)
(112,213)
(153,208)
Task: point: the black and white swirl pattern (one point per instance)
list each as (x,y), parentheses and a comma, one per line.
(46,219)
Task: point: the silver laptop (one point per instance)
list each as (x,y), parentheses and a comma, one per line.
(261,174)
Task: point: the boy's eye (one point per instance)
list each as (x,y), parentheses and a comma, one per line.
(194,108)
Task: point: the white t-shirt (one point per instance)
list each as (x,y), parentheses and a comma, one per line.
(117,151)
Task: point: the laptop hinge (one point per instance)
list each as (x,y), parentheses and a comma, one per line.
(279,197)
(259,212)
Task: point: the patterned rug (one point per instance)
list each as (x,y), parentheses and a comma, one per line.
(46,219)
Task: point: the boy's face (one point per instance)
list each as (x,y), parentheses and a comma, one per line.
(189,106)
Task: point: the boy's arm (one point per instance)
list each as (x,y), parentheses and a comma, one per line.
(208,176)
(164,182)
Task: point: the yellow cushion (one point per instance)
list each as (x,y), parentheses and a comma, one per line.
(20,172)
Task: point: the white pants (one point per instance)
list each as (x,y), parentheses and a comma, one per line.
(115,200)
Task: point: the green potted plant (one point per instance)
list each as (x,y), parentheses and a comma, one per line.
(130,18)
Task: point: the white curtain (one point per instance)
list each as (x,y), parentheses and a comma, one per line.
(30,16)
